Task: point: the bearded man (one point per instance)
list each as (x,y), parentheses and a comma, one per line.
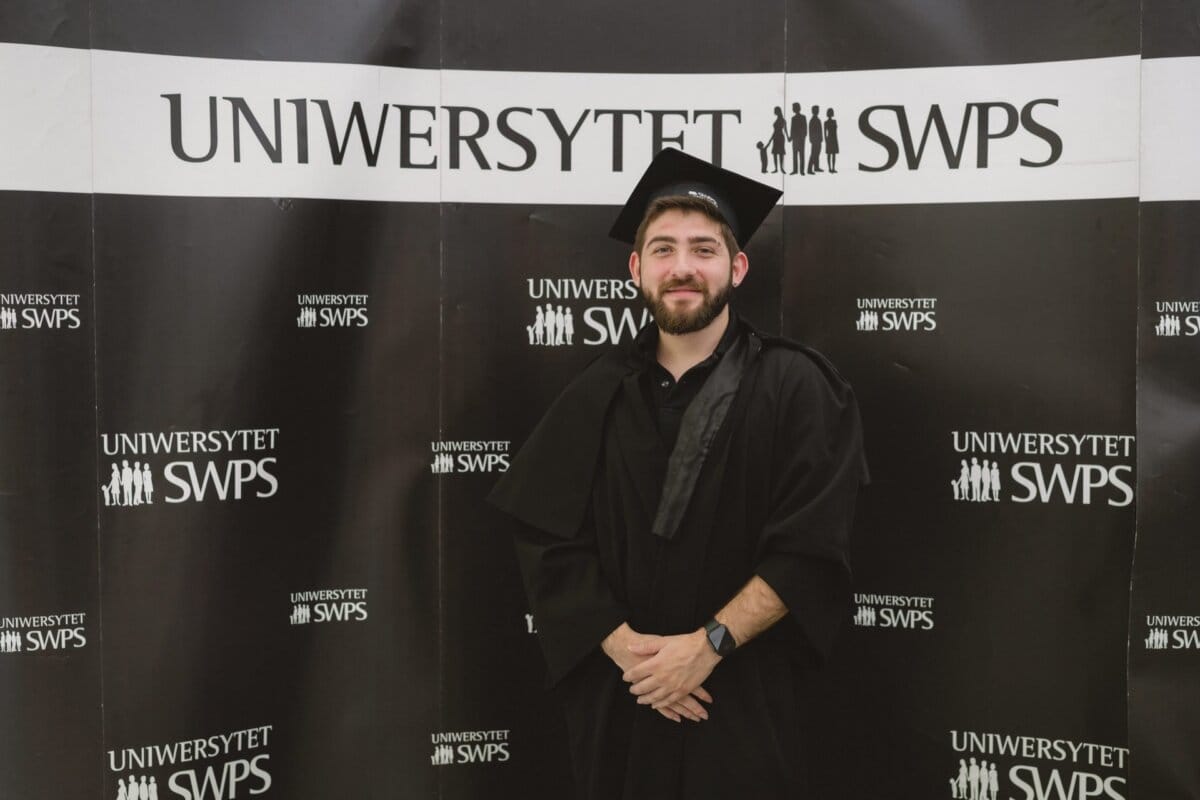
(683,512)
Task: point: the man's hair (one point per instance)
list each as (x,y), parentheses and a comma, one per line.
(684,202)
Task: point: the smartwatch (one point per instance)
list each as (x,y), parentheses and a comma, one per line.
(720,638)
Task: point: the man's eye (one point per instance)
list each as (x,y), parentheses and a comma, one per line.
(708,251)
(662,248)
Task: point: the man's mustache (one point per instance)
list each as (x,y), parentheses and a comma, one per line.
(667,287)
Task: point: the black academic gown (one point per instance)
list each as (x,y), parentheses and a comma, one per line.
(774,497)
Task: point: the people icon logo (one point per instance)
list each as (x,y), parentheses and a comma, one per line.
(977,483)
(128,486)
(552,327)
(812,134)
(138,789)
(975,781)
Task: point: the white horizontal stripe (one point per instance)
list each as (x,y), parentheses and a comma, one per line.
(47,142)
(46,125)
(1170,122)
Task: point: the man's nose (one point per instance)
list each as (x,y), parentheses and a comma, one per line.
(683,265)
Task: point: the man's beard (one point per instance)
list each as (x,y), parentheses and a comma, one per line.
(683,320)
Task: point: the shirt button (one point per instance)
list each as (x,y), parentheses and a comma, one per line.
(665,384)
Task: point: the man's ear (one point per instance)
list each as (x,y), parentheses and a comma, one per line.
(741,265)
(635,268)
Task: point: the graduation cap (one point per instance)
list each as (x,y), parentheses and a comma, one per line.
(743,203)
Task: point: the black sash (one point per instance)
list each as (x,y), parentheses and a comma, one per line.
(697,430)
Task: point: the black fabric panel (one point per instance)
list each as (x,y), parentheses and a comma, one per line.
(894,34)
(614,36)
(1164,704)
(49,698)
(391,33)
(56,23)
(198,298)
(1170,28)
(1035,332)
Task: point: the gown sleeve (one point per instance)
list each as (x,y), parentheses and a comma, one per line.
(573,607)
(818,466)
(545,498)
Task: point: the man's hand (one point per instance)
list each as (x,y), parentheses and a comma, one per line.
(628,649)
(672,670)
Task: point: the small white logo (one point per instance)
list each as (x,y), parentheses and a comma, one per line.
(1172,632)
(463,456)
(896,314)
(977,483)
(975,781)
(1156,639)
(328,605)
(128,486)
(552,327)
(220,767)
(893,611)
(332,311)
(1071,468)
(207,465)
(1168,325)
(34,310)
(1037,766)
(470,747)
(702,196)
(587,311)
(43,633)
(137,790)
(1177,317)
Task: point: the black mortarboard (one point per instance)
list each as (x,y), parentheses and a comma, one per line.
(742,202)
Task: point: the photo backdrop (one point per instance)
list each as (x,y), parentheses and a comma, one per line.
(283,286)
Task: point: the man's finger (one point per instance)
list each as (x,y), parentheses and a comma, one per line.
(683,711)
(646,645)
(702,694)
(668,713)
(639,672)
(669,698)
(656,698)
(692,706)
(643,686)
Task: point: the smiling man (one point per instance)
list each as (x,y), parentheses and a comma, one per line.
(683,513)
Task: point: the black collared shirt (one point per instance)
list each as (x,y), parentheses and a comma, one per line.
(668,398)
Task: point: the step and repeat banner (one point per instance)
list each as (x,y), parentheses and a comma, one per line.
(1164,621)
(284,286)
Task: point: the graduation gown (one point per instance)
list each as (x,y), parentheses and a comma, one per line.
(774,496)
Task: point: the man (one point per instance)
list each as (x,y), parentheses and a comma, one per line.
(681,497)
(799,131)
(816,135)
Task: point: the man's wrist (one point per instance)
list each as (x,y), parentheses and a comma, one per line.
(615,640)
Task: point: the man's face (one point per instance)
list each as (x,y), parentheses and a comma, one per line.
(685,271)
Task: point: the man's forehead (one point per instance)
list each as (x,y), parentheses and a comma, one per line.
(679,223)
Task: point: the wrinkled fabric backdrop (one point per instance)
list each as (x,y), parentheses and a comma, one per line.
(283,285)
